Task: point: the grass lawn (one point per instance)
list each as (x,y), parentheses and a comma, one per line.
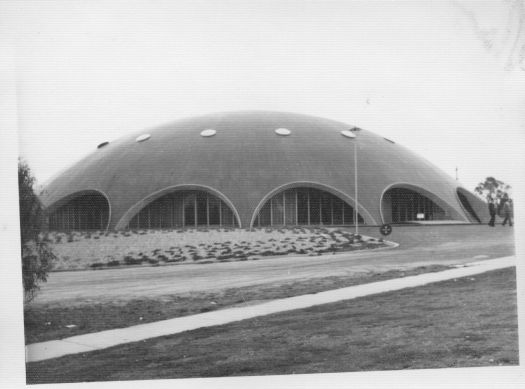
(48,321)
(464,322)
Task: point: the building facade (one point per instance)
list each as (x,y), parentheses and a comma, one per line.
(254,169)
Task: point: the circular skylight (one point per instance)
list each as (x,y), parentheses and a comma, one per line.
(348,133)
(283,131)
(102,145)
(208,132)
(142,138)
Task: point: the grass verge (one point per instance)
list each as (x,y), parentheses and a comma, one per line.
(49,321)
(463,322)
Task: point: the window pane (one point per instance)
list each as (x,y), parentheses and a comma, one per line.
(177,204)
(326,208)
(189,209)
(227,216)
(315,206)
(165,212)
(338,210)
(290,206)
(277,210)
(302,206)
(214,211)
(348,214)
(202,209)
(264,215)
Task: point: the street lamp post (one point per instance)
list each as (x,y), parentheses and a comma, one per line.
(351,134)
(356,220)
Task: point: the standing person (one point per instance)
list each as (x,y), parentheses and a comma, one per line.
(507,212)
(492,211)
(501,204)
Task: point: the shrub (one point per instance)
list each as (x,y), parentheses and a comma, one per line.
(36,255)
(132,261)
(175,258)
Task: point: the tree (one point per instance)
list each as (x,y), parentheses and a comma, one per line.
(493,188)
(35,252)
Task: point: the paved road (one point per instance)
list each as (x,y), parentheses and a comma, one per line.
(418,246)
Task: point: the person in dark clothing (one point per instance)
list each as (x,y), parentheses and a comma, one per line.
(507,212)
(492,211)
(501,204)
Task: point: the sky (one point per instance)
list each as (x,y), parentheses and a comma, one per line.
(445,79)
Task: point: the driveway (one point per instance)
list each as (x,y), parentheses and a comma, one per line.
(418,246)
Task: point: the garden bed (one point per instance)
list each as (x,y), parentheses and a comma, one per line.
(99,249)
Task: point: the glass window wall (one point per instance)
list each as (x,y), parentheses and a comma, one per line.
(86,212)
(407,205)
(305,206)
(189,208)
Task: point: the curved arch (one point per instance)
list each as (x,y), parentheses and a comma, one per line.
(448,208)
(64,201)
(316,185)
(472,207)
(137,207)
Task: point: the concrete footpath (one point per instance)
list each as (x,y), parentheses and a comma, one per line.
(104,339)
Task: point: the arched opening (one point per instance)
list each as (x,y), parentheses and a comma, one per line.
(305,206)
(463,198)
(82,212)
(400,205)
(184,208)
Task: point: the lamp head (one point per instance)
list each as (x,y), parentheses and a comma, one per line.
(348,134)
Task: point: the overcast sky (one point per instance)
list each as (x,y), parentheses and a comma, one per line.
(445,79)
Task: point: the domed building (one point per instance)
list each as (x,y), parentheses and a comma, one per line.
(254,169)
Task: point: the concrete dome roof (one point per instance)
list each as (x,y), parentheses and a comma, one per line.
(245,162)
